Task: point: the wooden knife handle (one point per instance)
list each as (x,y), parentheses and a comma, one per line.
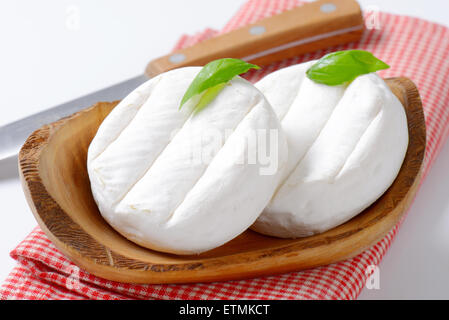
(313,26)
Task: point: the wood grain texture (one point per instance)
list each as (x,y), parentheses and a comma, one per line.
(294,32)
(52,165)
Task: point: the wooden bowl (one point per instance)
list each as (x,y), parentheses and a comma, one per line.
(52,165)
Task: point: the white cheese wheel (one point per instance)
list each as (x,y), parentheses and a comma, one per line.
(177,181)
(346,146)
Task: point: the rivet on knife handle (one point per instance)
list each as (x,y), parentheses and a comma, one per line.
(313,26)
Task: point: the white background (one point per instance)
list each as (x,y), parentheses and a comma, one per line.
(47,59)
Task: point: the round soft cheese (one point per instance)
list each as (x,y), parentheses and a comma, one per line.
(346,146)
(185,182)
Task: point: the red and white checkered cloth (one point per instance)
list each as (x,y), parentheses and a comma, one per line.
(414,48)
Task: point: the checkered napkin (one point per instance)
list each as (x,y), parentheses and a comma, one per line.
(414,48)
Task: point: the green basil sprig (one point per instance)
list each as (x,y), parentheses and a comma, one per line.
(344,66)
(212,78)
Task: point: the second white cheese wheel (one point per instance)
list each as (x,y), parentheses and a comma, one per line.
(177,181)
(346,146)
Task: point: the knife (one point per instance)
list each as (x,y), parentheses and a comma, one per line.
(310,27)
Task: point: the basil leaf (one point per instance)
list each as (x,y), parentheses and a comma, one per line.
(212,79)
(344,66)
(208,96)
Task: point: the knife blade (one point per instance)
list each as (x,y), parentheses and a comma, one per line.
(13,135)
(313,26)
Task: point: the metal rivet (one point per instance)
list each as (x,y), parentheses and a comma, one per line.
(256,30)
(177,58)
(328,7)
